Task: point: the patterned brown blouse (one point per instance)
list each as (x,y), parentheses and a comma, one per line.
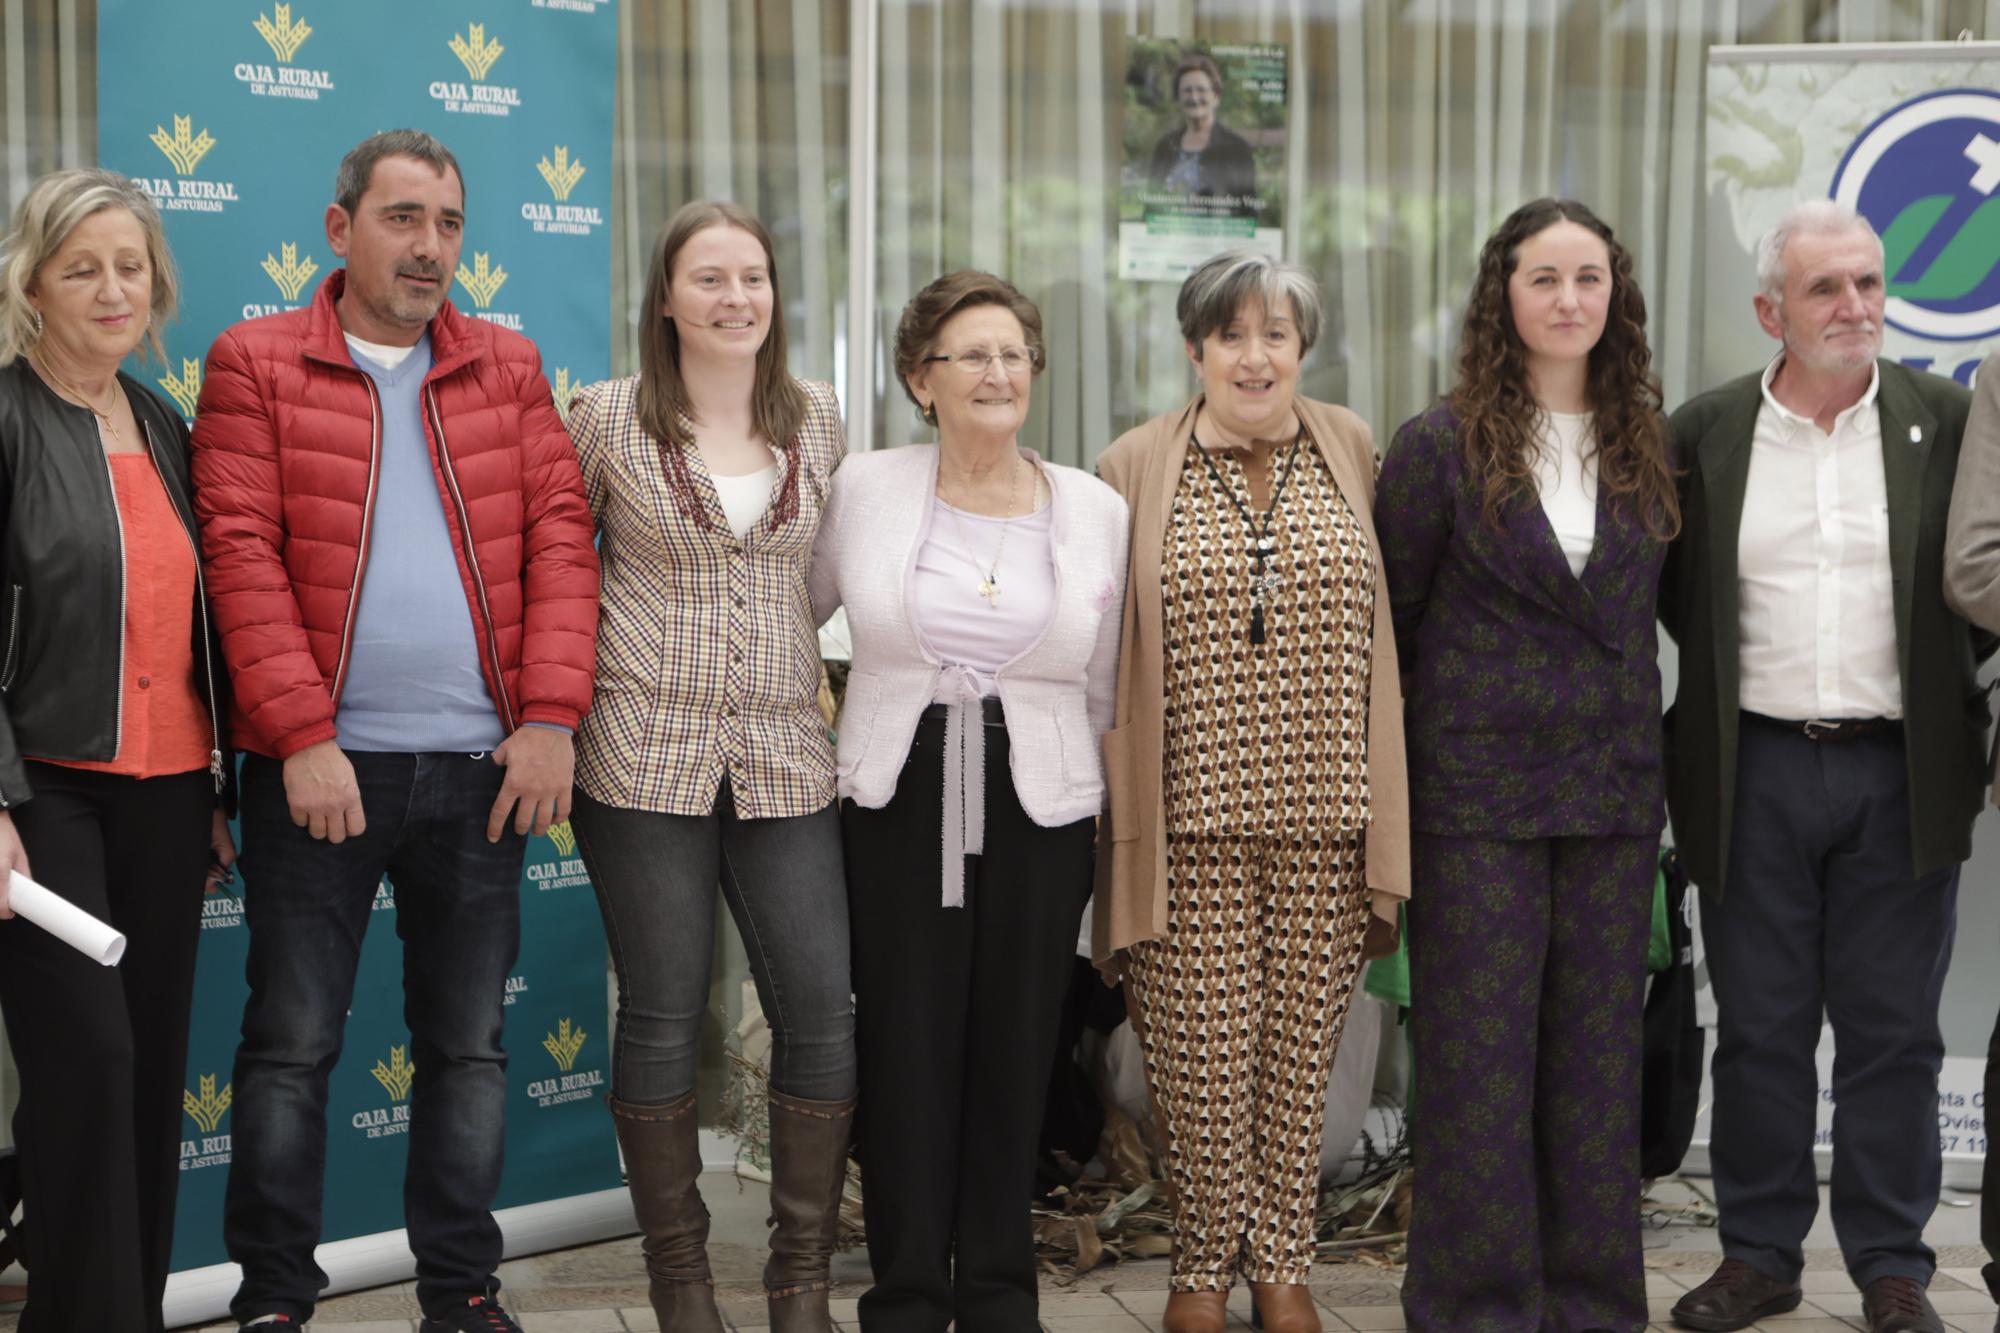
(1268,740)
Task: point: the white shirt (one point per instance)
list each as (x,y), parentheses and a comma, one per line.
(745,498)
(1816,615)
(380,353)
(1567,481)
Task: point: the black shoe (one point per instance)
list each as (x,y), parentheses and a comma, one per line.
(1735,1296)
(1899,1305)
(479,1314)
(271,1323)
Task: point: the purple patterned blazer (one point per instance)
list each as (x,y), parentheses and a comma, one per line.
(1532,696)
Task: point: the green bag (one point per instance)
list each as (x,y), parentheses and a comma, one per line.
(1660,948)
(1389,978)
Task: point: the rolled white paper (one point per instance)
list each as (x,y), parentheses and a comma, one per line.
(64,920)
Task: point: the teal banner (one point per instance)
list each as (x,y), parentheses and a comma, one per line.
(233,115)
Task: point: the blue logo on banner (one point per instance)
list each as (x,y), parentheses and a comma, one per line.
(1927,176)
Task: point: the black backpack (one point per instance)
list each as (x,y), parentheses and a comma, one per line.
(1675,1045)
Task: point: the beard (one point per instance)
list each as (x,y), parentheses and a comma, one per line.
(1848,354)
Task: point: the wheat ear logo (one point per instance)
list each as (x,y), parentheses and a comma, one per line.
(564,389)
(283,34)
(184,388)
(483,281)
(397,1075)
(183,147)
(564,1044)
(289,271)
(474,51)
(561,174)
(207,1108)
(562,835)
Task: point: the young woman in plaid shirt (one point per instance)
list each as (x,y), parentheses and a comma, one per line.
(705,757)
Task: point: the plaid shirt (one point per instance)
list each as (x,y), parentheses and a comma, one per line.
(707,659)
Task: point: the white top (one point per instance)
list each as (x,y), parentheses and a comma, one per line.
(961,625)
(381,354)
(1567,480)
(1816,613)
(745,498)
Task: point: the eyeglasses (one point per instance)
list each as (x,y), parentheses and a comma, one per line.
(976,362)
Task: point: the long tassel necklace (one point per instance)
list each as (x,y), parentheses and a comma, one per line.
(1259,528)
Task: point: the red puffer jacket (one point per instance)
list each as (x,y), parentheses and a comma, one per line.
(286,453)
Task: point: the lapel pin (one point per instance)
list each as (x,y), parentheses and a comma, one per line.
(1916,435)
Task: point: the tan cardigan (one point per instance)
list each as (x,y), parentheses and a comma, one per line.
(1144,466)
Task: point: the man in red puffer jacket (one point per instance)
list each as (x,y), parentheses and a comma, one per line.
(399,553)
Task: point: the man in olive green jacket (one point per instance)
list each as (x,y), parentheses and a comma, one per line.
(1972,586)
(1825,760)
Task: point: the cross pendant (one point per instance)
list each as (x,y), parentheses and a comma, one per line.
(990,590)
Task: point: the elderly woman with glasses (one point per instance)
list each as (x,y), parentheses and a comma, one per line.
(981,585)
(1258,833)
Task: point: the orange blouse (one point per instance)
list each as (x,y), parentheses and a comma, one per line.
(163,725)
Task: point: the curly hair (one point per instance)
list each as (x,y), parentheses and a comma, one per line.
(1495,403)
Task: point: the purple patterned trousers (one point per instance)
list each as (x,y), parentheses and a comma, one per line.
(1528,971)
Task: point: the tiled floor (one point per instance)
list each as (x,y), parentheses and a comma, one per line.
(601,1288)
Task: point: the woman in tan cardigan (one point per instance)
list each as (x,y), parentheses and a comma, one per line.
(1258,831)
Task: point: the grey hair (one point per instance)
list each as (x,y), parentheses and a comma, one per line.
(358,167)
(1215,292)
(47,214)
(1810,217)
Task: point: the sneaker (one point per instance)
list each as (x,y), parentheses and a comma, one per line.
(271,1323)
(479,1314)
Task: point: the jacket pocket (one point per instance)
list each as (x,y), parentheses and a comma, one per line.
(1121,782)
(11,666)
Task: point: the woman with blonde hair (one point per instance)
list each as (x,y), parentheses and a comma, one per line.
(113,769)
(705,758)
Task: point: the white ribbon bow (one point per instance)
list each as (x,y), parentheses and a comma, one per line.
(964,776)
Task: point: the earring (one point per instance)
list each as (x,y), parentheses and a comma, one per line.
(38,322)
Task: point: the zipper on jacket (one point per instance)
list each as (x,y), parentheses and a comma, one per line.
(207,642)
(13,639)
(367,526)
(118,522)
(498,682)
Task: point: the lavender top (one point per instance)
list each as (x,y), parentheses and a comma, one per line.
(962,627)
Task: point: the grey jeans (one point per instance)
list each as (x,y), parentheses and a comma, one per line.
(656,876)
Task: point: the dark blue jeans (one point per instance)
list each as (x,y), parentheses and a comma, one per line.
(307,904)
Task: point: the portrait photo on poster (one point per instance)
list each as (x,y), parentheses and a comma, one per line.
(1203,154)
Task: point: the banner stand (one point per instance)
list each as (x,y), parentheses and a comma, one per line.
(199,1295)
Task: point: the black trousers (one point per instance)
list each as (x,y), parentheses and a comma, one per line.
(102,1051)
(955,1022)
(1989,1176)
(1822,916)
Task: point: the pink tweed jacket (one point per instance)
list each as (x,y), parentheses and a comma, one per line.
(1057,695)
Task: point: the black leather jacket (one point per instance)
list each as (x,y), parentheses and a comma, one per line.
(62,579)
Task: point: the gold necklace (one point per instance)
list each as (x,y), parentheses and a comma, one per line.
(989,583)
(84,402)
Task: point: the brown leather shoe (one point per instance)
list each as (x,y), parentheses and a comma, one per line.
(1735,1296)
(1899,1305)
(1196,1312)
(1284,1307)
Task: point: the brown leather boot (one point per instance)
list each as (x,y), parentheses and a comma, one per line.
(662,1147)
(1284,1307)
(808,1171)
(1196,1312)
